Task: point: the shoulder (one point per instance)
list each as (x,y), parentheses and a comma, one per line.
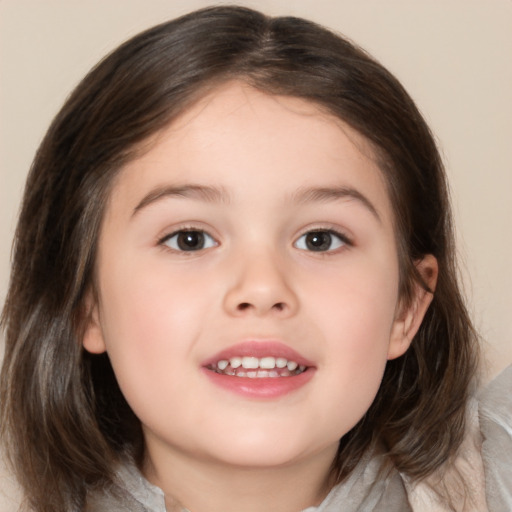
(458,485)
(10,492)
(495,419)
(130,492)
(480,477)
(374,485)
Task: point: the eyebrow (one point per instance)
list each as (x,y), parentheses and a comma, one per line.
(190,191)
(217,195)
(327,194)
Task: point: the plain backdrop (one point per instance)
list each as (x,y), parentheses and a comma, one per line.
(453,56)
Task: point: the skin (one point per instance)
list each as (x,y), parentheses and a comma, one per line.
(162,312)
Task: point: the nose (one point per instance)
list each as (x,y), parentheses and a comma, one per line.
(259,285)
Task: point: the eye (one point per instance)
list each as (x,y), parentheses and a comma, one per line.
(189,240)
(321,240)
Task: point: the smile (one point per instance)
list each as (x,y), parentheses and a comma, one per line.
(257,367)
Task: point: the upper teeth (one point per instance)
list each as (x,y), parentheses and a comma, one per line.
(252,363)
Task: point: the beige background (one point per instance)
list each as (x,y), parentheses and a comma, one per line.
(453,56)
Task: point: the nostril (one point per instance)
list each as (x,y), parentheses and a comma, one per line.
(243,306)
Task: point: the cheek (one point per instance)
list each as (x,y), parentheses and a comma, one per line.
(141,298)
(149,322)
(355,320)
(356,305)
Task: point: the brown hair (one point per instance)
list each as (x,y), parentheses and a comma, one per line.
(65,424)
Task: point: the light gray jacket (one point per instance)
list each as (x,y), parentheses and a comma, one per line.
(484,463)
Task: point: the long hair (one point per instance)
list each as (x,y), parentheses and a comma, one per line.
(64,422)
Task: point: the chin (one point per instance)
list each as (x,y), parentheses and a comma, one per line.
(262,451)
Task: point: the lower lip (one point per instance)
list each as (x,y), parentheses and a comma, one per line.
(269,387)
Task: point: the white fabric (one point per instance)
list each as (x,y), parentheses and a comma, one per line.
(479,479)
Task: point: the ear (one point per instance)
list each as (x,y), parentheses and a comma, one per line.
(408,319)
(93,340)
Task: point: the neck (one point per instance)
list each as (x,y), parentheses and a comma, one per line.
(206,486)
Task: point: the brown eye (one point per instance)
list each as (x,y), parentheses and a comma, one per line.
(320,241)
(189,240)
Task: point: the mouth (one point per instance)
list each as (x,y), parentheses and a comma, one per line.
(259,370)
(252,367)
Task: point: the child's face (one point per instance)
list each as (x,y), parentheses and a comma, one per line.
(257,227)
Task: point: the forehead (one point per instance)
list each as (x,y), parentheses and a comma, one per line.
(236,135)
(230,103)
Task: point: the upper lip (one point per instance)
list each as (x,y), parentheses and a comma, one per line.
(259,349)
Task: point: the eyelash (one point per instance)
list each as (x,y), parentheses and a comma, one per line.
(164,240)
(344,240)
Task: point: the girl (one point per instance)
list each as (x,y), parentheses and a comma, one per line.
(234,286)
